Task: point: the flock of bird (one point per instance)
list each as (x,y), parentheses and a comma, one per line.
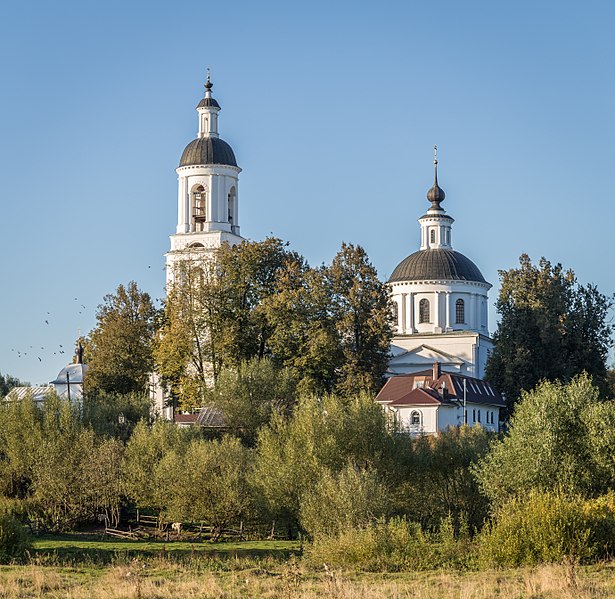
(59,349)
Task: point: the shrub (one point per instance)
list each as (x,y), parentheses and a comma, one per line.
(352,498)
(549,527)
(15,542)
(394,545)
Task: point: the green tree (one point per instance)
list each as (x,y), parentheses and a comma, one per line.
(120,348)
(363,318)
(561,437)
(7,382)
(550,328)
(145,450)
(322,434)
(207,482)
(248,395)
(215,316)
(353,497)
(439,480)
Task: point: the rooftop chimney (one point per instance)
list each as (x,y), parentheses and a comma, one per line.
(436,371)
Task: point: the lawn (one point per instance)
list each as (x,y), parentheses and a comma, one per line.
(86,566)
(106,549)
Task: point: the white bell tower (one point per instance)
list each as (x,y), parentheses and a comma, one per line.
(208,191)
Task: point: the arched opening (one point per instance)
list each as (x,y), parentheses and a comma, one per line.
(460,312)
(424,311)
(232,198)
(395,312)
(196,245)
(432,236)
(415,418)
(199,208)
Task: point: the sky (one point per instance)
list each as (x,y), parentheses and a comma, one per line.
(332,109)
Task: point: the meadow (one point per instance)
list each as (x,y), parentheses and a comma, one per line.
(81,566)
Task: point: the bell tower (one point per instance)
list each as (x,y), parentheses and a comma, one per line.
(207,191)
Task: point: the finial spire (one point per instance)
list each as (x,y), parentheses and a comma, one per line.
(436,194)
(208,84)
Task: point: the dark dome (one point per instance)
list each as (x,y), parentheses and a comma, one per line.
(208,150)
(437,264)
(206,102)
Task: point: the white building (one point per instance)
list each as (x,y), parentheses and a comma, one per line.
(207,208)
(440,299)
(430,401)
(207,191)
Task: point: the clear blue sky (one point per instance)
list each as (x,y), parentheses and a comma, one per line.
(332,109)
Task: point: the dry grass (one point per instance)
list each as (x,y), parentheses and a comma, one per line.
(162,579)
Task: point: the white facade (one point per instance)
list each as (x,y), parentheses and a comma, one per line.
(207,192)
(440,302)
(430,419)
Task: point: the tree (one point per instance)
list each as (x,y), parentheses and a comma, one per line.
(207,482)
(7,382)
(561,437)
(214,315)
(363,318)
(322,434)
(249,395)
(550,328)
(351,498)
(120,346)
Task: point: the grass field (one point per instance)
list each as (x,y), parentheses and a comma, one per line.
(80,567)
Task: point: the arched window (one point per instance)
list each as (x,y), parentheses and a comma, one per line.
(432,236)
(424,311)
(395,312)
(460,311)
(415,418)
(231,205)
(199,212)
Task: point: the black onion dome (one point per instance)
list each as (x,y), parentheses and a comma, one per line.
(436,265)
(208,150)
(207,102)
(436,194)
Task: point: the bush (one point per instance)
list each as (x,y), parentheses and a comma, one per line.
(15,542)
(392,546)
(352,498)
(549,527)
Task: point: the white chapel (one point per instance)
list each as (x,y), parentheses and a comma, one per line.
(440,302)
(207,191)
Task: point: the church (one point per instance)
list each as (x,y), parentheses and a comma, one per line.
(440,297)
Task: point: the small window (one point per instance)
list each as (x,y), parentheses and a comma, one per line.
(448,236)
(432,236)
(415,418)
(465,417)
(479,415)
(424,311)
(460,311)
(473,415)
(395,311)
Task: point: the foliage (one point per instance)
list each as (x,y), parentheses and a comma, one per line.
(392,545)
(362,313)
(353,497)
(205,483)
(7,382)
(440,469)
(119,348)
(329,326)
(327,433)
(560,437)
(115,414)
(249,395)
(15,543)
(550,328)
(144,451)
(549,527)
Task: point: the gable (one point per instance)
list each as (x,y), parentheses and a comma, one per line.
(421,358)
